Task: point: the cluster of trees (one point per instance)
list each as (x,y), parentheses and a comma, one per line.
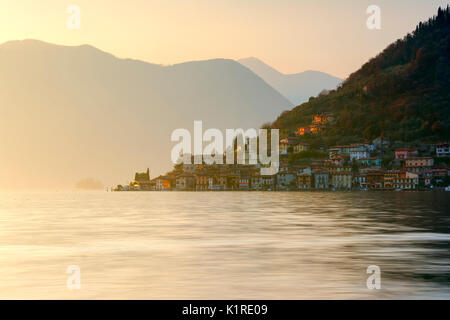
(401,94)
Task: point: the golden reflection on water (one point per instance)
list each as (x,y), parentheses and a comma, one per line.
(224,245)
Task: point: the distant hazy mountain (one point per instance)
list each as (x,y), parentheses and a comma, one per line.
(298,87)
(68,113)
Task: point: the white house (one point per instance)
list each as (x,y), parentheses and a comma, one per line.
(443,149)
(358,154)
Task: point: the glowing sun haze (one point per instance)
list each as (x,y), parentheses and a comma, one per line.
(291,36)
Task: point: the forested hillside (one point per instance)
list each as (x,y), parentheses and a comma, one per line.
(401,94)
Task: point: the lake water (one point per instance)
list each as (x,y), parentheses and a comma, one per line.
(224,245)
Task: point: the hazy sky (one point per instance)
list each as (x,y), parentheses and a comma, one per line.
(290,35)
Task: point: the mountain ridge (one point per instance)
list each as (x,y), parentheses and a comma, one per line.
(296,87)
(78,112)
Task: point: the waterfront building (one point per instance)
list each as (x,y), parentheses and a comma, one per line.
(255,181)
(165,183)
(202,182)
(286,180)
(406,181)
(427,177)
(375,179)
(233,180)
(142,181)
(389,179)
(185,182)
(439,173)
(304,179)
(220,182)
(341,180)
(321,179)
(268,182)
(244,183)
(144,176)
(134,186)
(360,181)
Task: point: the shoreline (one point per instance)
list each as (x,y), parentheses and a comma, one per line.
(324,190)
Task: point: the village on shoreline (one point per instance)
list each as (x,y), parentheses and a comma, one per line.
(378,165)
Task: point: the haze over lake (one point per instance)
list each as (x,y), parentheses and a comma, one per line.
(224,245)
